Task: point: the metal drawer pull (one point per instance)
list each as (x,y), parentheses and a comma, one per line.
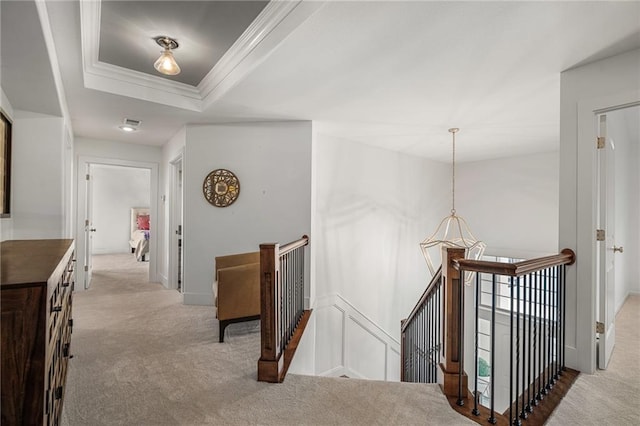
(57,309)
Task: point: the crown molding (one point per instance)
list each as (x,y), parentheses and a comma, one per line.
(43,15)
(276,21)
(265,33)
(125,82)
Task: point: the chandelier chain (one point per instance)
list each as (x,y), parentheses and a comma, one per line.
(453,173)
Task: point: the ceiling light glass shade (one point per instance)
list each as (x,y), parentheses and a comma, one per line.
(126,128)
(453,231)
(166,64)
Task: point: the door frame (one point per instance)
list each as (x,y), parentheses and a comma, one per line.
(173,221)
(83,163)
(586,220)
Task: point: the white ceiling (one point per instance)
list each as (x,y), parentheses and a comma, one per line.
(391,74)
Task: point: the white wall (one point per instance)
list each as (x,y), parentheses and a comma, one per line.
(38,149)
(373,208)
(622,128)
(273,163)
(115,191)
(599,85)
(511,203)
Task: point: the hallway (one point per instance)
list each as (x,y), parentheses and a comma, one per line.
(143,358)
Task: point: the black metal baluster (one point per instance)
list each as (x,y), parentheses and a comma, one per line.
(475,410)
(418,346)
(546,332)
(430,328)
(434,348)
(559,275)
(536,360)
(438,336)
(460,285)
(294,290)
(530,348)
(492,415)
(523,413)
(421,339)
(554,350)
(411,351)
(549,327)
(511,351)
(540,335)
(516,419)
(563,290)
(288,269)
(283,277)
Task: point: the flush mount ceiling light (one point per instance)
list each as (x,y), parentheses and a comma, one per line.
(166,64)
(129,125)
(453,230)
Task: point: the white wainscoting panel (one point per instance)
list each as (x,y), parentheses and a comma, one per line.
(349,343)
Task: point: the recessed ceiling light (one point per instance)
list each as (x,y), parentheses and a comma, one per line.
(129,125)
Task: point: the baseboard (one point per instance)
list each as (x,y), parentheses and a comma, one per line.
(99,251)
(366,350)
(201,299)
(629,293)
(335,372)
(164,281)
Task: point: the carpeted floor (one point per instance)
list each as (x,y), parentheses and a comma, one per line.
(143,358)
(611,396)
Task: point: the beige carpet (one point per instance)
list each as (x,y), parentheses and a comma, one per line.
(143,358)
(611,396)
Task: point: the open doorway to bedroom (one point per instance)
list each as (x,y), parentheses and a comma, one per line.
(117,202)
(119,211)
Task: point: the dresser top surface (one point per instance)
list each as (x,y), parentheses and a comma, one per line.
(25,262)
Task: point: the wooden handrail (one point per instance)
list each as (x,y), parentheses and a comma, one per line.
(566,257)
(293,245)
(277,346)
(423,298)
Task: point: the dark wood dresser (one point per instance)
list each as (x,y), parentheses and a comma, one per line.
(37,282)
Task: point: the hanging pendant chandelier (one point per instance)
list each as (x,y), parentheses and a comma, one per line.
(453,230)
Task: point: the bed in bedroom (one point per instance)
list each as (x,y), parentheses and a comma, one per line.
(140,231)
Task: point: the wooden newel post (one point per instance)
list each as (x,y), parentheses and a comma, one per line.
(271,361)
(453,334)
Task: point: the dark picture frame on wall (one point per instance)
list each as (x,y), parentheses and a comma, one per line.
(5,165)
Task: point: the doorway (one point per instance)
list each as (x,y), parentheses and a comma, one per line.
(619,217)
(106,196)
(176,248)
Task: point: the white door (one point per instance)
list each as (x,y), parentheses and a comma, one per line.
(88,228)
(606,202)
(176,212)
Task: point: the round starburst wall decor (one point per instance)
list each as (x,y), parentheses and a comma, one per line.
(221,188)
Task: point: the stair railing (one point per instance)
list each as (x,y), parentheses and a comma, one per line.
(531,294)
(421,338)
(283,317)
